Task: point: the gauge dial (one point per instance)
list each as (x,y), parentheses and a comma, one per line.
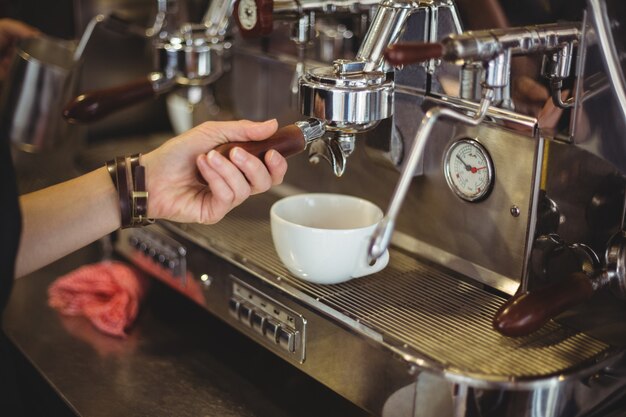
(247,13)
(468,169)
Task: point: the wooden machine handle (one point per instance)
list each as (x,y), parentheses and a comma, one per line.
(288,141)
(264,22)
(526,312)
(94,105)
(406,53)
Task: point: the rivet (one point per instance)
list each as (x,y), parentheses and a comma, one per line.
(515,211)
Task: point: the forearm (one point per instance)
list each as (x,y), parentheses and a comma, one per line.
(63,218)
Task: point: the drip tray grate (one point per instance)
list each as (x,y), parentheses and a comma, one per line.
(414,304)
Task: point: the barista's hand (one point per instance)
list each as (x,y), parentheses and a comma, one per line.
(177,173)
(11,31)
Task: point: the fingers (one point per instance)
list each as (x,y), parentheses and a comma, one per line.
(239,131)
(222,197)
(231,183)
(277,166)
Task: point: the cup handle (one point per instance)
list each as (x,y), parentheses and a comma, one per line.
(365,268)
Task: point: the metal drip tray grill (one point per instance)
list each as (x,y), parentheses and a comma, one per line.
(413,305)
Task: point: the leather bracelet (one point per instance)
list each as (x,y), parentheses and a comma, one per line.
(134,163)
(140,198)
(110,165)
(129,178)
(123,191)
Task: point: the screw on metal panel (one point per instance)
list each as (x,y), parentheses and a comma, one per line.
(515,211)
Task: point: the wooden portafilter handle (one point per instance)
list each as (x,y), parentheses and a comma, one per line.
(406,53)
(527,312)
(288,141)
(94,105)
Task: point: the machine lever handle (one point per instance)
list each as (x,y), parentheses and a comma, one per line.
(405,53)
(94,105)
(288,141)
(527,312)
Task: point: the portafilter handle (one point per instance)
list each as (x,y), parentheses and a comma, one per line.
(405,53)
(97,104)
(288,141)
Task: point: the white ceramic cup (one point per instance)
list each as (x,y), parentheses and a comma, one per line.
(323,238)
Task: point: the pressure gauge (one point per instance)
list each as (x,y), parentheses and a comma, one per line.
(247,14)
(468,169)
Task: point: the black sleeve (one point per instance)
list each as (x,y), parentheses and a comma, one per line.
(10,222)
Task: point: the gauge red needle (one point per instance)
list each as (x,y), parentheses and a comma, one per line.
(474,169)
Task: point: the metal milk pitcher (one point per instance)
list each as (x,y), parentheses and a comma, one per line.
(43,77)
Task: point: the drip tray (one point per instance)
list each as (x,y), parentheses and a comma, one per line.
(427,313)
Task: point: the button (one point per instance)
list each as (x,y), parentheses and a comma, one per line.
(133,241)
(233,308)
(287,339)
(257,322)
(271,327)
(245,313)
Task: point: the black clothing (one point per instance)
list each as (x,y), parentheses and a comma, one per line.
(10,229)
(10,222)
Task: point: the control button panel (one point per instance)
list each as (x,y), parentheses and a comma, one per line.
(277,325)
(159,249)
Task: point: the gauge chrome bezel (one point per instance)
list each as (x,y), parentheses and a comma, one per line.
(490,169)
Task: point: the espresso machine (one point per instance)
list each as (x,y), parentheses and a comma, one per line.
(503,292)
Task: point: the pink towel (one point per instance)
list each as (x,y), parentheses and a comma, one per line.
(107,293)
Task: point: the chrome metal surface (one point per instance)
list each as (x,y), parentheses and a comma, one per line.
(594,130)
(415,314)
(292,7)
(384,30)
(217,17)
(424,312)
(382,236)
(329,149)
(191,57)
(311,129)
(487,45)
(606,27)
(352,99)
(176,361)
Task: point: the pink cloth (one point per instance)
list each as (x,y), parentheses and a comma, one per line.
(107,293)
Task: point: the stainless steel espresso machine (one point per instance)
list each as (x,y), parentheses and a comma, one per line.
(506,231)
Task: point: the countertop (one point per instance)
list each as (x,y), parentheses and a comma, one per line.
(177,361)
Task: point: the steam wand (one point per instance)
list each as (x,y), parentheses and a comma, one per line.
(382,235)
